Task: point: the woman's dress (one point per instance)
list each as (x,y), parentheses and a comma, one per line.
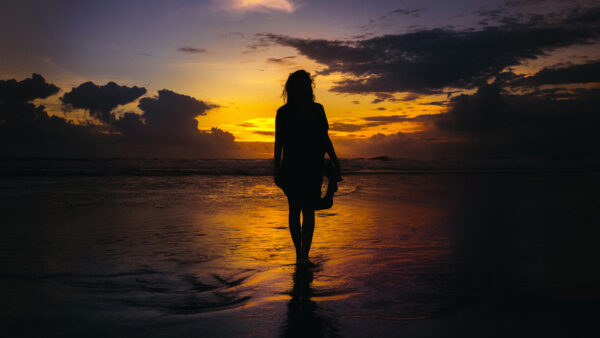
(303,133)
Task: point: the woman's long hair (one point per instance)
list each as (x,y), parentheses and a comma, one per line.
(299,88)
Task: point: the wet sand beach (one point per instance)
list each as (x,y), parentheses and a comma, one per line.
(427,255)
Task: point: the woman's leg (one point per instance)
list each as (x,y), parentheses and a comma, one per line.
(294,221)
(308,228)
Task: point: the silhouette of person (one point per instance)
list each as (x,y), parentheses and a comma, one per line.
(301,142)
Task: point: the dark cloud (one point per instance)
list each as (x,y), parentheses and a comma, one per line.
(430,60)
(20,92)
(286,60)
(264,132)
(527,125)
(493,108)
(345,127)
(167,119)
(414,12)
(581,73)
(100,101)
(374,121)
(434,103)
(519,3)
(15,108)
(259,44)
(168,123)
(408,97)
(493,123)
(390,118)
(381,97)
(28,130)
(166,128)
(513,117)
(170,107)
(192,50)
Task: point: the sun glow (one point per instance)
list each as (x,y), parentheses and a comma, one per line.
(280,5)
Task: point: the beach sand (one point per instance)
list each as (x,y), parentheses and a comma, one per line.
(416,255)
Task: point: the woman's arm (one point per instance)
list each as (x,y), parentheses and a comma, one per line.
(328,145)
(329,150)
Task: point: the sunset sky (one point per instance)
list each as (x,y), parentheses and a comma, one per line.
(416,79)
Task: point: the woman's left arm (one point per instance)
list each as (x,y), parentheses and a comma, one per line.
(328,145)
(329,150)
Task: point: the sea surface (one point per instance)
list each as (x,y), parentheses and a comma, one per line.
(173,248)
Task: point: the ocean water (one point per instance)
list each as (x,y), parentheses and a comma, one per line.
(172,250)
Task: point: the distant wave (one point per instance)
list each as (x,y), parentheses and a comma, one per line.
(263,167)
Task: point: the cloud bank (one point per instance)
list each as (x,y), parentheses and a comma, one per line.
(497,122)
(549,114)
(101,100)
(191,50)
(430,60)
(166,128)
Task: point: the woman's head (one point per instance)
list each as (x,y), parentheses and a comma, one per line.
(299,87)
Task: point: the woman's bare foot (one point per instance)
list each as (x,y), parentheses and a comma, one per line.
(307,263)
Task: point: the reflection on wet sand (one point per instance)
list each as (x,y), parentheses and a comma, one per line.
(304,318)
(423,255)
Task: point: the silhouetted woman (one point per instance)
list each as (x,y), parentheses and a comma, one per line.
(301,136)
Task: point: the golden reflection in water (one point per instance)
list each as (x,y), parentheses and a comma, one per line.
(372,239)
(208,250)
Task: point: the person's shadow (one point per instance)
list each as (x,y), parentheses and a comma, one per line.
(304,319)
